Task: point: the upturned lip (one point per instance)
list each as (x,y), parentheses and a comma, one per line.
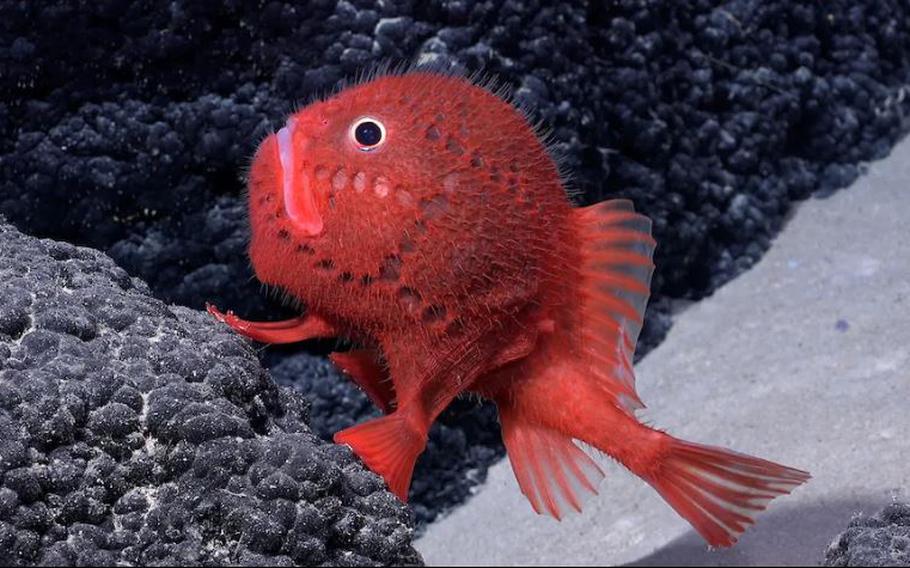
(297,189)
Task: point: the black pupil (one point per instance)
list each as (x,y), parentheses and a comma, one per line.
(368,133)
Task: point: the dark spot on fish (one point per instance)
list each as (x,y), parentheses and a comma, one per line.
(455,328)
(433,133)
(366,280)
(454,146)
(407,244)
(305,249)
(513,185)
(390,269)
(433,314)
(326,264)
(284,235)
(345,277)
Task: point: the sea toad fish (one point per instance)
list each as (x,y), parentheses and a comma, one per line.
(421,215)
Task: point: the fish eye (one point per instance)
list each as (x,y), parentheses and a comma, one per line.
(368,133)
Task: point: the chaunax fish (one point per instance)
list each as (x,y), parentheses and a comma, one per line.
(420,215)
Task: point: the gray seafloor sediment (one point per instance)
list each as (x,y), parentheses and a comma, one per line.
(137,433)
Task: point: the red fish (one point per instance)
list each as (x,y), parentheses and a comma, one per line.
(421,215)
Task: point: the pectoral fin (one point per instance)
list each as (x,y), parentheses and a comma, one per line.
(291,330)
(365,369)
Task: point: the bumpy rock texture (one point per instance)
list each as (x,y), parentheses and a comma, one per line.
(133,432)
(128,128)
(881,540)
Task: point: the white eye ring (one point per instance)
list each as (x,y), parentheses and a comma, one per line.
(368,133)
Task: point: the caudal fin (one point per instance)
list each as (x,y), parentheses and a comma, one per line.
(719,491)
(389,446)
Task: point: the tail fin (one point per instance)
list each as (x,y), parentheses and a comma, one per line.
(389,446)
(719,491)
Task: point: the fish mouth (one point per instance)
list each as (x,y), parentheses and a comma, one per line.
(297,189)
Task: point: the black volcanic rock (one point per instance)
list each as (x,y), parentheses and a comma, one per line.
(127,126)
(136,433)
(880,540)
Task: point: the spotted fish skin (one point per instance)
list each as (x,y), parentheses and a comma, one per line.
(421,215)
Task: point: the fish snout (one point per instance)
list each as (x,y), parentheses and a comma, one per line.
(297,189)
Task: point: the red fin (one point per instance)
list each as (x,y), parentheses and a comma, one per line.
(553,473)
(719,491)
(364,368)
(389,446)
(617,254)
(285,331)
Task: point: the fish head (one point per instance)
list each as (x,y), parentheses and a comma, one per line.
(351,184)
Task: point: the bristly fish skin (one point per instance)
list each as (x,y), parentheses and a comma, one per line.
(421,215)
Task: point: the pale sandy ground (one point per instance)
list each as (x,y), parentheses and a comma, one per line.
(764,367)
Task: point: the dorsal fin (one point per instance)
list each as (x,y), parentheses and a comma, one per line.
(617,264)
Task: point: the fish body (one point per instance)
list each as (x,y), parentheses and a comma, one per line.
(421,215)
(394,219)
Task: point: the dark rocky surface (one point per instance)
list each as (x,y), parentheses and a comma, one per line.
(880,540)
(128,128)
(136,433)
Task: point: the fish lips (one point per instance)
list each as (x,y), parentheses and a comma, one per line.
(297,189)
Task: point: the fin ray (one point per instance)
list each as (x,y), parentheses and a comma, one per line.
(552,472)
(719,491)
(617,252)
(389,446)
